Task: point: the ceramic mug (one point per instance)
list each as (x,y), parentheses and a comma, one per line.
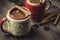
(17,27)
(38,10)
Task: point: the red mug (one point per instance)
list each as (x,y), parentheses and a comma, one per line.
(38,10)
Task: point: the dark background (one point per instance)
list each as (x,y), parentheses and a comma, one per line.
(51,33)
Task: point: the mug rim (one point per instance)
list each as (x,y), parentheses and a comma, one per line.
(33,4)
(22,19)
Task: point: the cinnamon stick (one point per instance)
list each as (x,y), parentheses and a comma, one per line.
(21,8)
(47,19)
(57,19)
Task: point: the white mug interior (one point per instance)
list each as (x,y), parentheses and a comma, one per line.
(27,15)
(33,4)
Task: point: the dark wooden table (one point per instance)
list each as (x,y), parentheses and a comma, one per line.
(53,33)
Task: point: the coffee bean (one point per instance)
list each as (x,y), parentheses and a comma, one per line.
(46,28)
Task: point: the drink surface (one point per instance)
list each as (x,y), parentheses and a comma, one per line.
(35,1)
(18,14)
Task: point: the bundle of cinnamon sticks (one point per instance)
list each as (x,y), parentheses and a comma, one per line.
(51,17)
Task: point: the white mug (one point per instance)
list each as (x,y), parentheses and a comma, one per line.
(17,27)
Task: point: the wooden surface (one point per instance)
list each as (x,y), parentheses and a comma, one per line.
(37,34)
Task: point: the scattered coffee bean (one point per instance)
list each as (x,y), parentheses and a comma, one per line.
(46,28)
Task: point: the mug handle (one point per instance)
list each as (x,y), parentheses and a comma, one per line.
(48,5)
(1,23)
